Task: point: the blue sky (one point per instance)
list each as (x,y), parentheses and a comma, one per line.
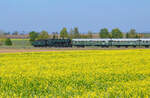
(52,15)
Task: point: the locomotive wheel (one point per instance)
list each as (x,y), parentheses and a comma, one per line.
(134,46)
(146,46)
(118,46)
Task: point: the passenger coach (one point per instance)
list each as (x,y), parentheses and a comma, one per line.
(111,42)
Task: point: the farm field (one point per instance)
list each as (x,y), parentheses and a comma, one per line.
(21,42)
(76,73)
(18,44)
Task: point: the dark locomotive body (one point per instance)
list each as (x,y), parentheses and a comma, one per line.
(59,43)
(52,43)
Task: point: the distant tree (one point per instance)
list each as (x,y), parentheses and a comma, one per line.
(76,33)
(104,33)
(43,35)
(132,34)
(15,33)
(64,33)
(55,35)
(116,33)
(8,42)
(89,35)
(140,36)
(2,37)
(33,36)
(127,35)
(84,36)
(71,32)
(7,33)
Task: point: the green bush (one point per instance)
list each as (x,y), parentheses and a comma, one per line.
(1,42)
(8,42)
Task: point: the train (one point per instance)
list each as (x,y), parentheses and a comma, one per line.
(92,43)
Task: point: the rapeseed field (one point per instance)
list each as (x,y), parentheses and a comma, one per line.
(77,74)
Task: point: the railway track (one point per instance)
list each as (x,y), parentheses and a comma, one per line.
(60,49)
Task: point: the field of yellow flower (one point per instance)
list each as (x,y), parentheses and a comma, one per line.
(78,73)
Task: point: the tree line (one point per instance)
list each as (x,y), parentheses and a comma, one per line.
(117,33)
(74,33)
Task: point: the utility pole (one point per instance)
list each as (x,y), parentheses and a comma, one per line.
(111,41)
(139,40)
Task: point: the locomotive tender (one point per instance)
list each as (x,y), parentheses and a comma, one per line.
(92,42)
